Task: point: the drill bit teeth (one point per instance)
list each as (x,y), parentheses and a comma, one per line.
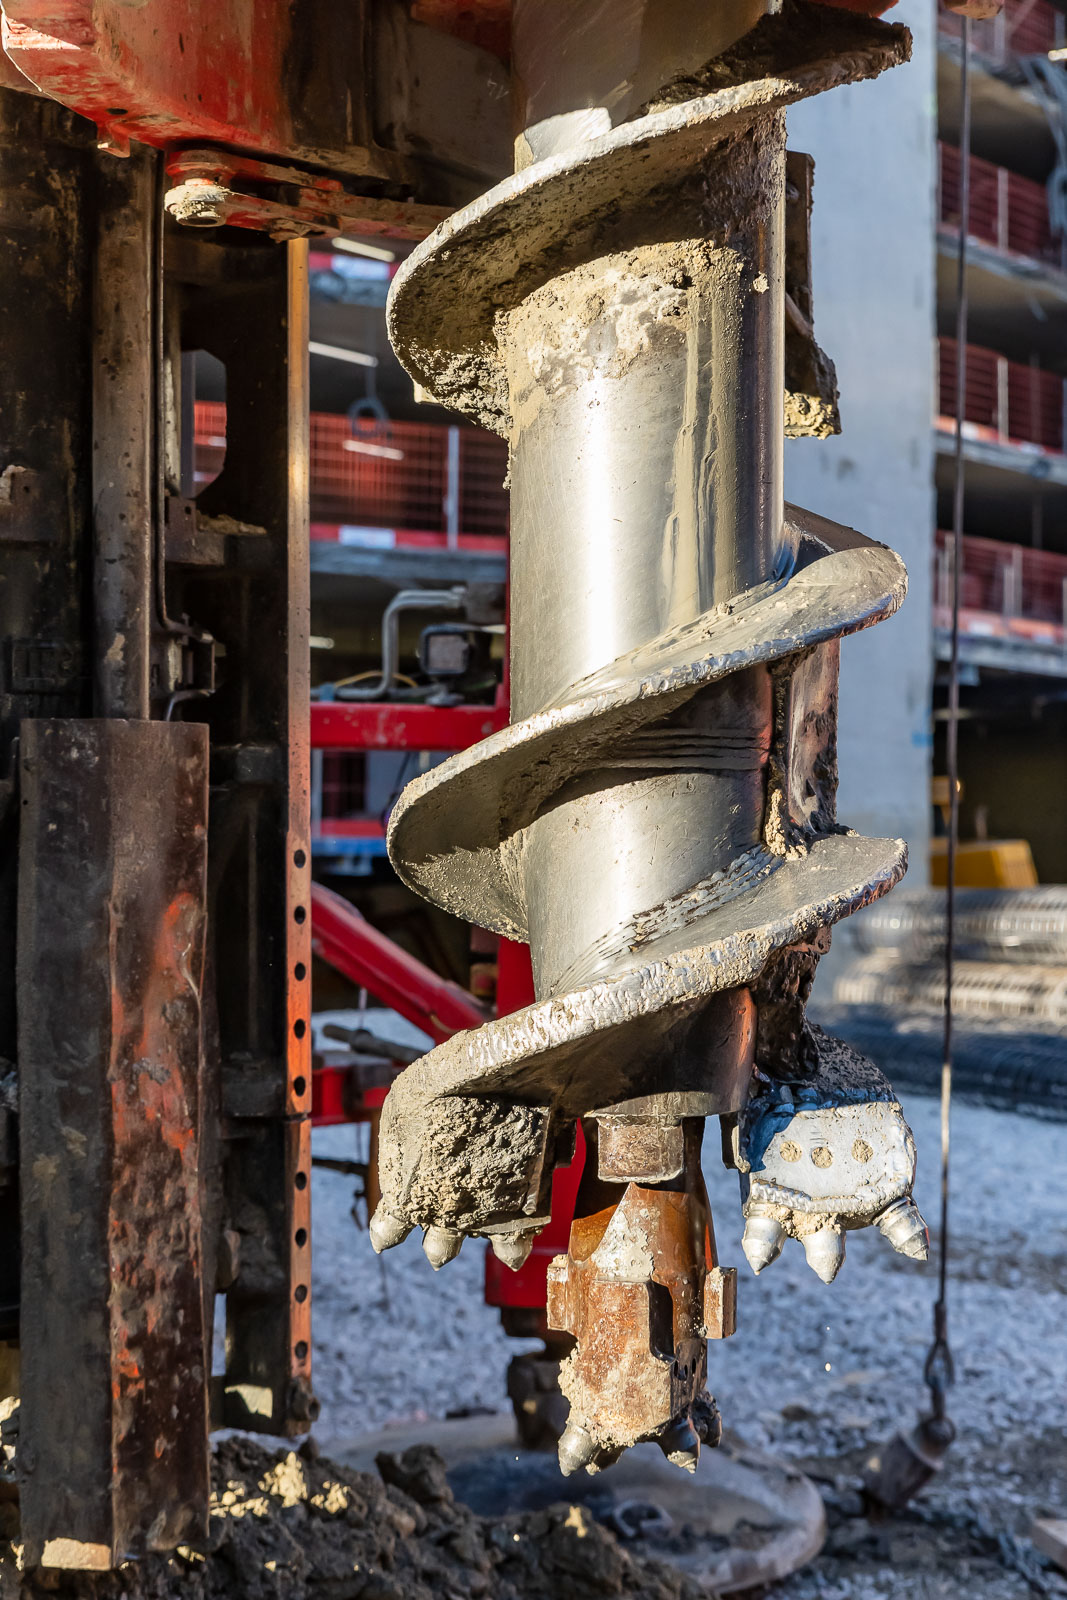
(441,1245)
(576,1449)
(706,1420)
(763,1239)
(513,1249)
(825,1156)
(386,1231)
(681,1445)
(825,1252)
(903,1225)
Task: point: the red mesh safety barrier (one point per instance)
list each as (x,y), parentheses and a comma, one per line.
(1011,400)
(1024,27)
(1035,406)
(400,474)
(209,441)
(1008,580)
(483,465)
(981,397)
(1005,210)
(389,475)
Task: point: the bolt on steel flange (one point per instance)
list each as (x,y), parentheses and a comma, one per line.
(658,819)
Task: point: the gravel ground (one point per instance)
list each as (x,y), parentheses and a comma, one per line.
(817,1374)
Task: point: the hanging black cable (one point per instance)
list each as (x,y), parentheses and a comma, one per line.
(939,1370)
(899,1470)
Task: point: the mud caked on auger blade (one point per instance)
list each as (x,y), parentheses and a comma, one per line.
(658,821)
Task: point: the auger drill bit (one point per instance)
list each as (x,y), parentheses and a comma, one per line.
(658,820)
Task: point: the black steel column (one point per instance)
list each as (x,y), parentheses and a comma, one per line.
(126,288)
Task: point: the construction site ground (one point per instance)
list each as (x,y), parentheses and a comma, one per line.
(816,1374)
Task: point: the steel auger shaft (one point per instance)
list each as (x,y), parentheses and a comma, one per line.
(658,821)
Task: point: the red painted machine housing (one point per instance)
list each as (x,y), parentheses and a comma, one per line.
(165,72)
(231,73)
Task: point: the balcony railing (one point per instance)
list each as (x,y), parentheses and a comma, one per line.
(1005,210)
(1024,27)
(1004,589)
(1005,400)
(434,480)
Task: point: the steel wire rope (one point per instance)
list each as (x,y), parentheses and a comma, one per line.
(939,1371)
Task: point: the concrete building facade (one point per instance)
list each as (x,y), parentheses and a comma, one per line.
(874,285)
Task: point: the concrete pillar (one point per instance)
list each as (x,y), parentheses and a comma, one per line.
(873,271)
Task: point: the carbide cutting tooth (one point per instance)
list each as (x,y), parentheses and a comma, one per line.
(681,1445)
(707,1421)
(576,1449)
(441,1245)
(513,1249)
(905,1228)
(385,1230)
(825,1250)
(763,1239)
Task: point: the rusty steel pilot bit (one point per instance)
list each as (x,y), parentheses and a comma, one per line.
(658,819)
(641,1291)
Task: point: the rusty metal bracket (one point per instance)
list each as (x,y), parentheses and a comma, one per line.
(213,188)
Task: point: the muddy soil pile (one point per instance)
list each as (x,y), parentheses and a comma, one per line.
(285,1525)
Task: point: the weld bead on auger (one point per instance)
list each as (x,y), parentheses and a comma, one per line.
(658,819)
